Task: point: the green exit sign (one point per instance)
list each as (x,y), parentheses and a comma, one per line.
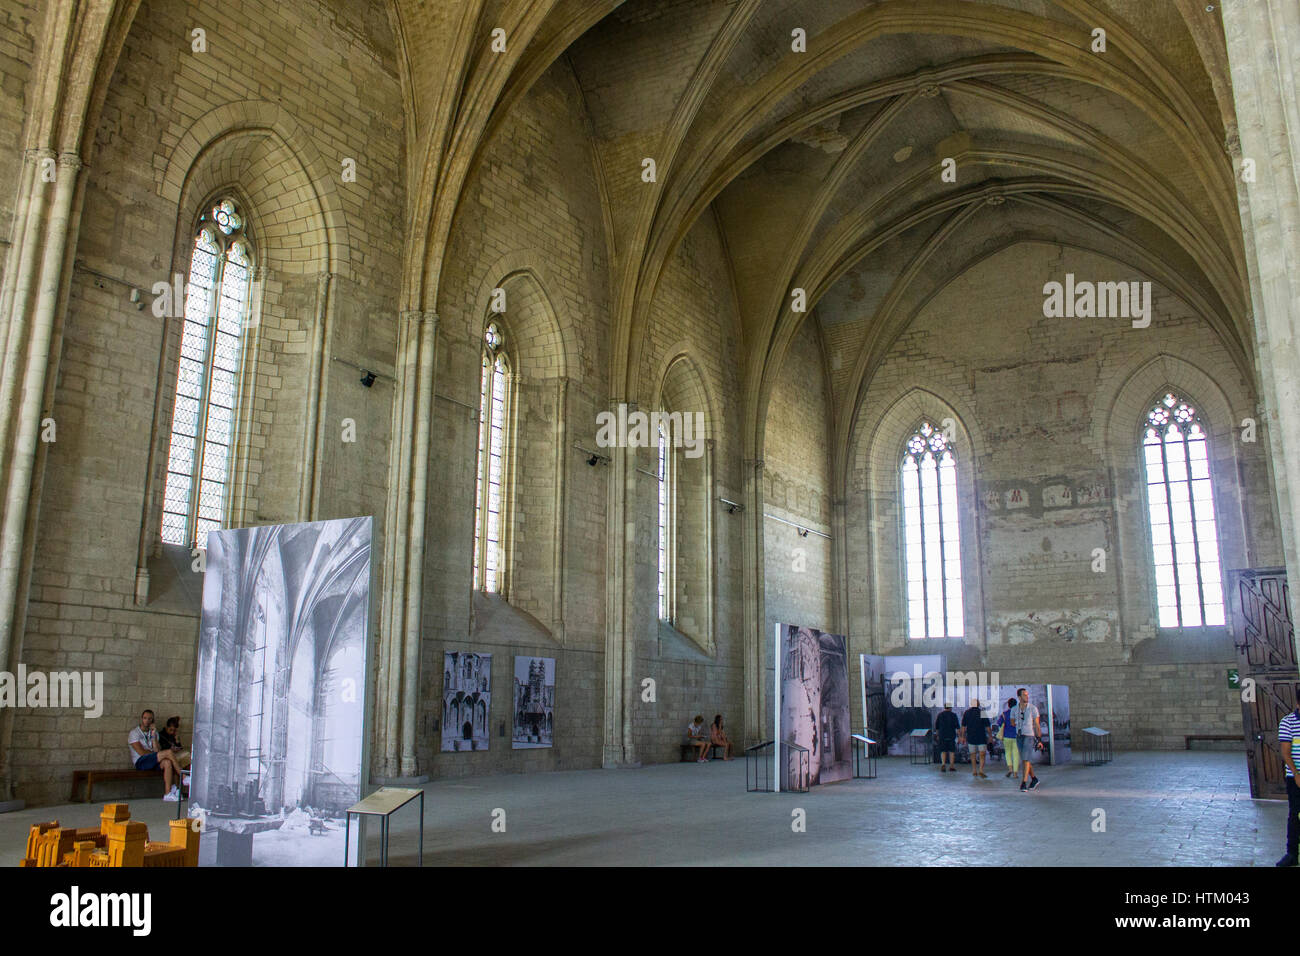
(1234,679)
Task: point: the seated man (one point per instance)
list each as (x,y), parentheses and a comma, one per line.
(719,737)
(696,736)
(169,738)
(143,741)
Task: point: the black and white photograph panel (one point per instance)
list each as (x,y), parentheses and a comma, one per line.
(534,703)
(280,702)
(814,707)
(466,700)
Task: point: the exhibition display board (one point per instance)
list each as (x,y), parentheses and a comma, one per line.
(280,715)
(812,707)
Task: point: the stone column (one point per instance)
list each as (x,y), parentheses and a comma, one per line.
(621,618)
(754,603)
(314,400)
(1263,39)
(561,507)
(33,296)
(397,683)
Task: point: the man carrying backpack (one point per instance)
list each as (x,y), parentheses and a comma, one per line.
(1006,731)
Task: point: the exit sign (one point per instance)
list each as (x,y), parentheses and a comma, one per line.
(1234,679)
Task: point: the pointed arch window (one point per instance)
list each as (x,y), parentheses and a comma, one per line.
(489,559)
(1180,505)
(932,546)
(665,538)
(196,495)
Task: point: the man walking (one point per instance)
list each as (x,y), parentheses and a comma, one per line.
(1026,718)
(975,733)
(945,728)
(1288,732)
(1007,734)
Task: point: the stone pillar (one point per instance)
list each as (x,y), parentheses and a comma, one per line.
(839,566)
(561,509)
(1263,39)
(314,400)
(755,606)
(397,683)
(621,609)
(32,295)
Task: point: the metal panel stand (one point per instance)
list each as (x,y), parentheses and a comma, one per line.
(920,739)
(383,803)
(1096,747)
(862,755)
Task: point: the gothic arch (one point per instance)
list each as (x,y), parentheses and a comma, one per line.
(1117,421)
(284,156)
(874,518)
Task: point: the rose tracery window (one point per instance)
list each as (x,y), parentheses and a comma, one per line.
(932,548)
(1180,505)
(203,416)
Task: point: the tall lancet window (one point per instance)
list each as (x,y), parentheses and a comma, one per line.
(665,550)
(195,499)
(1180,502)
(932,549)
(493,394)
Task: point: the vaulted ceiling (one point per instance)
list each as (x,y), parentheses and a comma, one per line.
(823,166)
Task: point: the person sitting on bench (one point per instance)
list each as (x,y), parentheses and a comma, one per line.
(169,738)
(143,741)
(696,736)
(719,738)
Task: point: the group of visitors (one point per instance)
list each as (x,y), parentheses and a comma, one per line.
(1017,727)
(704,739)
(152,749)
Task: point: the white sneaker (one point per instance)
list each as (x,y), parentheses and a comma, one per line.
(173,795)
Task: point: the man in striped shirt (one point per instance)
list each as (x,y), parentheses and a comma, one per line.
(1288,733)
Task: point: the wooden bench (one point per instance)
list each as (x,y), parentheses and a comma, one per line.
(1187,740)
(688,752)
(92,776)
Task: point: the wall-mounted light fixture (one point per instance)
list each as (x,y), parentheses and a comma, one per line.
(368,376)
(594,458)
(732,506)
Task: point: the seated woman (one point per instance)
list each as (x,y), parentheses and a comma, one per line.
(719,737)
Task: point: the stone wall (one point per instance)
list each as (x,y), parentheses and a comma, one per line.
(1048,412)
(279,98)
(797,496)
(529,223)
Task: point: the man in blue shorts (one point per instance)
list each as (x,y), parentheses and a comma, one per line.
(1026,719)
(143,741)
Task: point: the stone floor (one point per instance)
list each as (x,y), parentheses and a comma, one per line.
(1182,809)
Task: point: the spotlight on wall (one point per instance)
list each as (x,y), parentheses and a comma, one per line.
(594,458)
(367,377)
(732,506)
(803,532)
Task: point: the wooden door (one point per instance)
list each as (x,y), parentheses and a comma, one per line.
(1262,630)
